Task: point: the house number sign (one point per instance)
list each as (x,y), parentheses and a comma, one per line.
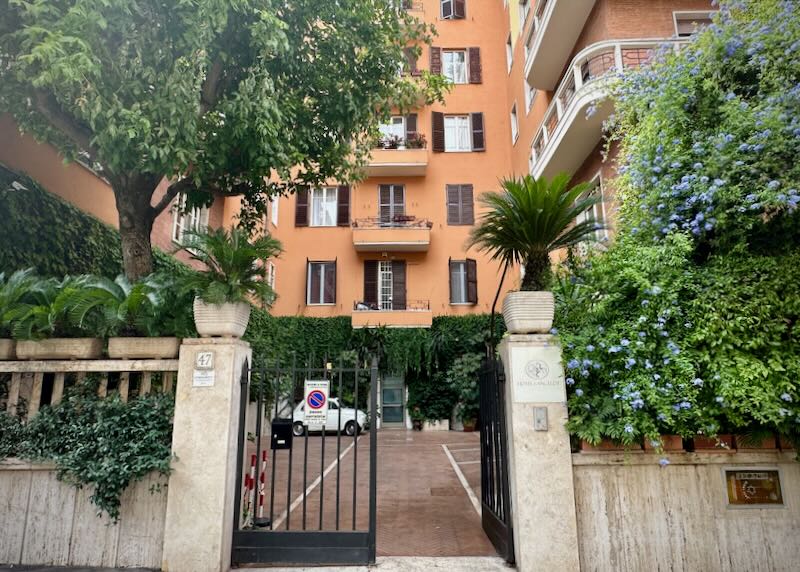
(203,374)
(753,487)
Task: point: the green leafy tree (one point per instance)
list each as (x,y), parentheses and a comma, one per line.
(238,97)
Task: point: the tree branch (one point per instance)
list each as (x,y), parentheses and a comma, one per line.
(208,92)
(48,106)
(176,188)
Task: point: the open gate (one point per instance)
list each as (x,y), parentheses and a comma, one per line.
(495,495)
(306,489)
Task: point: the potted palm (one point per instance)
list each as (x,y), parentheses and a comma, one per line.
(523,224)
(234,275)
(12,290)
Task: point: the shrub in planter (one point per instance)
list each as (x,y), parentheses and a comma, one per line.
(12,290)
(430,398)
(522,225)
(235,275)
(463,379)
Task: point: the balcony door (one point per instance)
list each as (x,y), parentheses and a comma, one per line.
(391,202)
(385,284)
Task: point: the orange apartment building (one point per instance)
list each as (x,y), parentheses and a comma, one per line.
(530,80)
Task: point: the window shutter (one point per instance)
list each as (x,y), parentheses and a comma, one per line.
(450,277)
(371,282)
(437,130)
(301,208)
(472,281)
(411,125)
(459,9)
(398,200)
(447,9)
(398,285)
(343,206)
(436,60)
(453,210)
(467,205)
(475,69)
(385,202)
(411,61)
(329,288)
(478,139)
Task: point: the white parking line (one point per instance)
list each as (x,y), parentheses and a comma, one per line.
(470,493)
(465,450)
(468,462)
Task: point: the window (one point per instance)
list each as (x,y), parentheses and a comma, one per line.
(460,205)
(524,9)
(391,202)
(457,133)
(323,206)
(321,283)
(274,210)
(455,65)
(514,124)
(509,53)
(596,213)
(463,282)
(530,94)
(184,222)
(385,285)
(689,23)
(453,9)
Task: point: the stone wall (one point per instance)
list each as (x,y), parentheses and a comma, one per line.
(47,522)
(634,515)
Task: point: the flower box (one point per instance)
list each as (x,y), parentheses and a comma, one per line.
(7,349)
(764,444)
(60,348)
(143,348)
(668,443)
(786,445)
(607,446)
(719,444)
(227,320)
(440,425)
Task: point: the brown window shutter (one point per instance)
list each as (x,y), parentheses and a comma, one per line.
(459,9)
(330,283)
(475,69)
(398,285)
(343,206)
(436,60)
(385,202)
(301,208)
(371,282)
(411,61)
(467,205)
(472,281)
(447,9)
(478,139)
(437,131)
(453,205)
(411,125)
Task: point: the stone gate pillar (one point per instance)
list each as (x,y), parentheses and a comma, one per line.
(540,459)
(200,497)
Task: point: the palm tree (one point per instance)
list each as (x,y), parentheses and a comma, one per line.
(531,218)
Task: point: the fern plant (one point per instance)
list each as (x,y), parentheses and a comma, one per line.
(13,290)
(43,310)
(234,266)
(529,219)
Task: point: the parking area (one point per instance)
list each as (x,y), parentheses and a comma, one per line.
(427,497)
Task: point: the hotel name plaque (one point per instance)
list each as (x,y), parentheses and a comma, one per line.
(754,487)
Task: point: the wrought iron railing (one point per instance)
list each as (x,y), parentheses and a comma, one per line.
(395,221)
(588,69)
(408,306)
(414,140)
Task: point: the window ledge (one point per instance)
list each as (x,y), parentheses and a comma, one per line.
(325,304)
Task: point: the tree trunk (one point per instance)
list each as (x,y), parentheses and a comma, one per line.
(537,272)
(136,218)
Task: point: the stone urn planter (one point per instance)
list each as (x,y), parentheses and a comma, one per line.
(143,348)
(529,312)
(7,349)
(227,320)
(60,348)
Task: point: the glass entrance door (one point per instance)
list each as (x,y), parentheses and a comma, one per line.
(392,402)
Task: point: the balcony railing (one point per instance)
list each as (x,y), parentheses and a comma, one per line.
(409,306)
(415,140)
(396,221)
(409,314)
(399,233)
(585,82)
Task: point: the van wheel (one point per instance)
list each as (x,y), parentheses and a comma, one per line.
(297,429)
(350,428)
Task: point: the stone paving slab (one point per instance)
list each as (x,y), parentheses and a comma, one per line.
(410,564)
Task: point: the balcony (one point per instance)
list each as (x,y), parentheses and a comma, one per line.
(401,233)
(572,126)
(556,26)
(399,158)
(414,314)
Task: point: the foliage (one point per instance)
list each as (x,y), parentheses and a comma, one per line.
(687,324)
(214,96)
(463,378)
(12,290)
(44,310)
(430,398)
(102,443)
(234,266)
(531,218)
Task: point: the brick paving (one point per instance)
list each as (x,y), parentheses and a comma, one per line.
(423,510)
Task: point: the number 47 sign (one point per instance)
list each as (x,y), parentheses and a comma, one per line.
(316,402)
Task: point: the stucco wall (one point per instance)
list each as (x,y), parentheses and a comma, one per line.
(634,515)
(44,521)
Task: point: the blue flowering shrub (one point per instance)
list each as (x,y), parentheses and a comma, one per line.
(688,323)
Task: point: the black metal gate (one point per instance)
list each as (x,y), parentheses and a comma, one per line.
(495,495)
(294,504)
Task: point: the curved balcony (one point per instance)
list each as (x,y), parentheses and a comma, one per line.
(572,126)
(401,233)
(556,26)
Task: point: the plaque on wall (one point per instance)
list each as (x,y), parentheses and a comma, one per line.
(753,487)
(537,375)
